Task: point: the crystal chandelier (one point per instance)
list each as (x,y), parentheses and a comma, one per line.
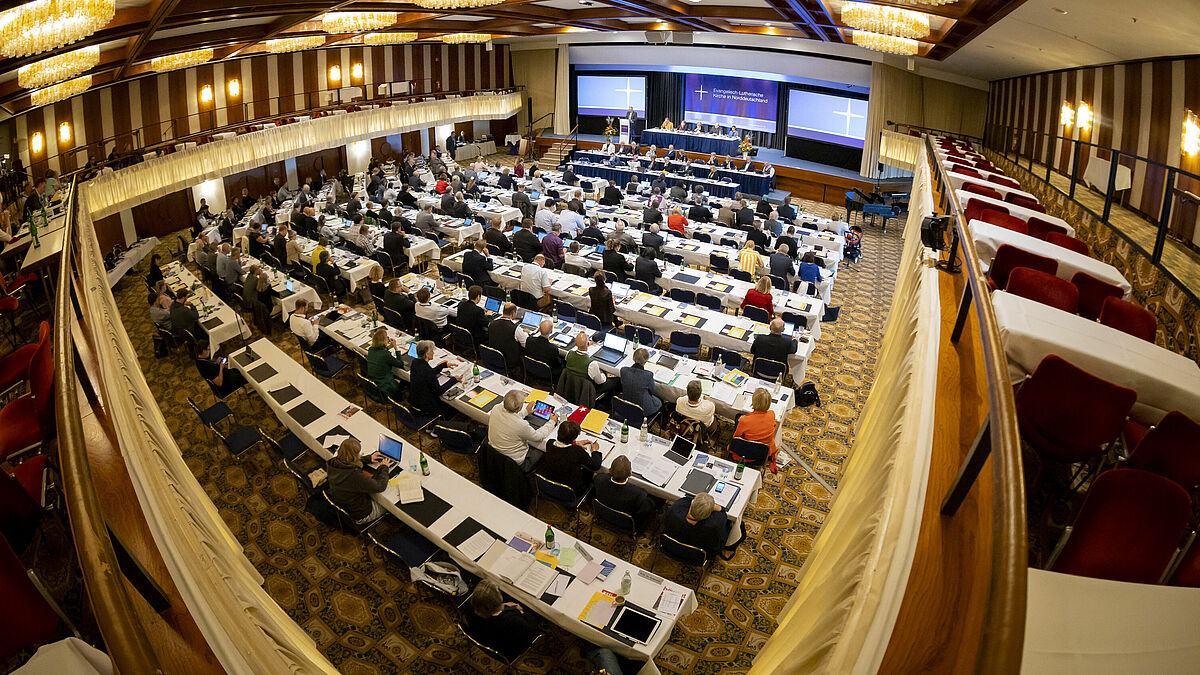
(886,20)
(295,44)
(461,38)
(195,57)
(58,68)
(388,38)
(885,43)
(926,3)
(455,4)
(60,91)
(42,25)
(356,22)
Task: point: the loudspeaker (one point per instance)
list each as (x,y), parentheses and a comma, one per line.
(489,45)
(657,37)
(681,38)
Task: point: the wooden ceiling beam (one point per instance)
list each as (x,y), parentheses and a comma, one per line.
(159,10)
(280,26)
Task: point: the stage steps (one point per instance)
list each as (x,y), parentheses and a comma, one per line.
(558,153)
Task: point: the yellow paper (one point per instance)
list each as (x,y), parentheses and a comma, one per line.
(550,560)
(654,311)
(721,287)
(595,421)
(736,333)
(536,395)
(580,290)
(643,297)
(482,398)
(691,320)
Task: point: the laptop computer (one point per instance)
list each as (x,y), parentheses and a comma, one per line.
(681,450)
(394,450)
(492,305)
(535,195)
(589,204)
(612,350)
(532,320)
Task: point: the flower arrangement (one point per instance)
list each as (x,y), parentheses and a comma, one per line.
(745,146)
(609,130)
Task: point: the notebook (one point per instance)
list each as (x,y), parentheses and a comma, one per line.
(697,481)
(285,394)
(428,510)
(306,413)
(263,372)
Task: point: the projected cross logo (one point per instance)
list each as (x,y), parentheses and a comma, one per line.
(849,115)
(701,92)
(629,91)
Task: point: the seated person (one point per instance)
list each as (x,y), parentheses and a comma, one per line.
(425,392)
(568,462)
(580,363)
(160,309)
(495,237)
(539,347)
(615,262)
(426,309)
(381,361)
(306,329)
(502,626)
(646,270)
(351,483)
(525,242)
(760,296)
(329,271)
(536,281)
(676,222)
(781,264)
(698,521)
(694,405)
(511,435)
(614,490)
(759,424)
(470,315)
(637,384)
(603,305)
(185,320)
(213,370)
(810,271)
(774,345)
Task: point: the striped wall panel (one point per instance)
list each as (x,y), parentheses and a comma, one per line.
(163,106)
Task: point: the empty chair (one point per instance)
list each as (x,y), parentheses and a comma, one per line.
(730,243)
(588,320)
(524,300)
(685,344)
(683,295)
(709,302)
(1092,293)
(538,373)
(1026,202)
(1171,448)
(1008,258)
(729,357)
(982,190)
(1069,415)
(741,275)
(1004,220)
(965,170)
(1129,318)
(626,411)
(975,208)
(799,320)
(324,366)
(769,369)
(1040,228)
(1044,288)
(492,359)
(756,314)
(1006,182)
(1068,242)
(1128,529)
(566,311)
(645,337)
(718,263)
(752,453)
(28,618)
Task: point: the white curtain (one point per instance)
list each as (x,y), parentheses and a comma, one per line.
(562,92)
(245,628)
(114,192)
(899,150)
(843,610)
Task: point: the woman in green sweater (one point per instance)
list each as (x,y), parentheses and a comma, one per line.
(381,360)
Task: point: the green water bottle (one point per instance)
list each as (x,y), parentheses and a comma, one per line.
(737,474)
(424,465)
(624,432)
(549,537)
(475,373)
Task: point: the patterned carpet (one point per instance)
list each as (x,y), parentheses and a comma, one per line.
(365,615)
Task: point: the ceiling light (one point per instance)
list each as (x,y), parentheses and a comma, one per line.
(461,38)
(457,4)
(388,38)
(295,44)
(58,92)
(1191,133)
(170,62)
(885,43)
(886,20)
(1060,10)
(356,22)
(927,3)
(42,25)
(58,68)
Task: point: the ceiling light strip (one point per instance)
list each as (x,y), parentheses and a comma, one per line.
(903,23)
(60,91)
(171,62)
(295,44)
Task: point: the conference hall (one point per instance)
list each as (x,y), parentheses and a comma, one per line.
(596,336)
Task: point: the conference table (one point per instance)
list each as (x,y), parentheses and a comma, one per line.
(453,509)
(619,175)
(218,319)
(751,182)
(691,141)
(1164,380)
(1096,173)
(129,258)
(279,281)
(354,334)
(352,267)
(1013,210)
(486,210)
(989,238)
(473,150)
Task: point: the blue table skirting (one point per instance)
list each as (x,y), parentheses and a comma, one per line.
(749,183)
(620,176)
(690,142)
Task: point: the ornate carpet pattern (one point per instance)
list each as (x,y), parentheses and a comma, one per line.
(367,617)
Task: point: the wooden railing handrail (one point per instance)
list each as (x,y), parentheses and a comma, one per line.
(1004,621)
(124,637)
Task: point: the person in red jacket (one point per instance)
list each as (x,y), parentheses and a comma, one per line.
(760,296)
(676,222)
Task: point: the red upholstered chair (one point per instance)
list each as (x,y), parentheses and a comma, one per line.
(27,422)
(1008,258)
(1068,242)
(1006,182)
(982,190)
(966,171)
(14,368)
(1044,288)
(1004,220)
(1128,529)
(976,207)
(23,501)
(1069,415)
(1171,448)
(28,619)
(1128,318)
(1092,293)
(1188,571)
(1027,202)
(1040,228)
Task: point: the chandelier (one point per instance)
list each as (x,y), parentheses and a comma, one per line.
(885,43)
(42,25)
(388,38)
(57,68)
(60,91)
(295,44)
(356,22)
(195,57)
(455,4)
(927,3)
(461,38)
(886,20)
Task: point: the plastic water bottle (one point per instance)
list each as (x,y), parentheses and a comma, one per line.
(778,382)
(626,583)
(624,432)
(645,433)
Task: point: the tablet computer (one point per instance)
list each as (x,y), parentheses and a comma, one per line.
(635,624)
(543,410)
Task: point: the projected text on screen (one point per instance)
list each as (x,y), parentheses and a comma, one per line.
(608,95)
(730,101)
(822,117)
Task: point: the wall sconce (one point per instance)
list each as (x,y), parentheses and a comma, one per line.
(1067,117)
(206,95)
(335,74)
(1191,133)
(64,133)
(1083,117)
(235,88)
(356,71)
(36,143)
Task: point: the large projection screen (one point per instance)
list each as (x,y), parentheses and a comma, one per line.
(605,95)
(746,103)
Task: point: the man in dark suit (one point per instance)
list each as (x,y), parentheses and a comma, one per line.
(790,240)
(406,197)
(496,237)
(653,240)
(615,492)
(699,213)
(397,299)
(279,243)
(698,521)
(764,207)
(521,201)
(568,176)
(447,203)
(592,232)
(774,345)
(477,265)
(504,336)
(459,209)
(395,244)
(185,320)
(426,389)
(637,384)
(471,315)
(526,243)
(786,212)
(745,215)
(539,346)
(759,237)
(645,269)
(33,203)
(781,263)
(615,262)
(612,196)
(506,180)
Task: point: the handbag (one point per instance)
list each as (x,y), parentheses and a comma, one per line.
(806,395)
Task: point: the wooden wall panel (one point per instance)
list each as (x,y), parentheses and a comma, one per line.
(333,160)
(259,181)
(164,215)
(110,231)
(411,141)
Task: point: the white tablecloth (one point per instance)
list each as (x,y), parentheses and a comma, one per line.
(473,150)
(67,656)
(279,284)
(1097,170)
(1014,210)
(989,238)
(231,324)
(1164,380)
(130,258)
(958,180)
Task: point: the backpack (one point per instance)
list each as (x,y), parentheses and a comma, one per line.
(806,395)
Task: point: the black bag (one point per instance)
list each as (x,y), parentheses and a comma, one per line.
(806,395)
(727,551)
(161,348)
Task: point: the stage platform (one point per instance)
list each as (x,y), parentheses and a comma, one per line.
(795,178)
